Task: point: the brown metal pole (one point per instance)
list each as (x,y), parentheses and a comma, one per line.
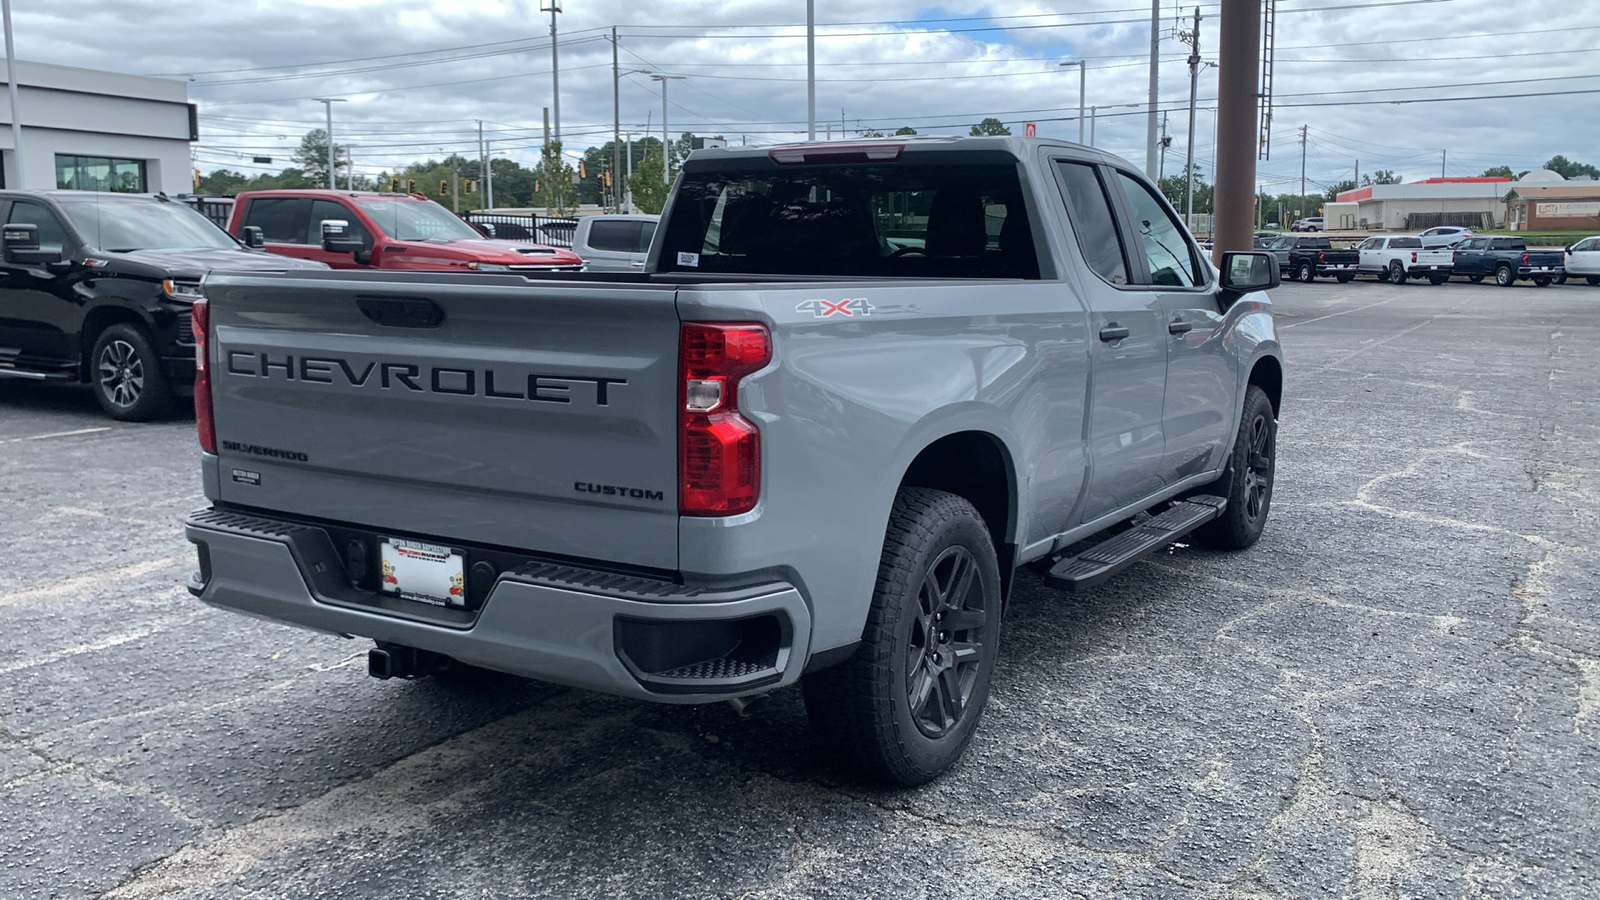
(1238,52)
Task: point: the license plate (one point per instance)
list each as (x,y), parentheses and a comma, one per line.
(427,573)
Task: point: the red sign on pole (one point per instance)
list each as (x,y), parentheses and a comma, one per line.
(1028,130)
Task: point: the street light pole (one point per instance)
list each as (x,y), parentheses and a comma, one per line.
(811,66)
(327,105)
(666,153)
(1081,77)
(616,123)
(553,7)
(1150,116)
(11,88)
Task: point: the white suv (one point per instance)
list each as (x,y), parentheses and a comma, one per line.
(1313,223)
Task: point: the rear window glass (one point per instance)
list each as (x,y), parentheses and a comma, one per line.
(1509,244)
(614,236)
(1409,243)
(893,220)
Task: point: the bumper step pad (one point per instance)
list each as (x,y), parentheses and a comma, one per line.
(1103,560)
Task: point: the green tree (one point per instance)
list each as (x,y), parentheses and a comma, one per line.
(1335,190)
(905,129)
(1567,168)
(1382,176)
(553,179)
(649,194)
(312,156)
(1497,172)
(990,126)
(222,181)
(1172,188)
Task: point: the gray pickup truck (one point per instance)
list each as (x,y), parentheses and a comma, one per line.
(856,388)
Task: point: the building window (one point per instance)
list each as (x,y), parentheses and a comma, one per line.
(98,173)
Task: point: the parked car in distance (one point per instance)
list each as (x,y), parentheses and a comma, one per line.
(1394,258)
(1444,236)
(1583,258)
(95,288)
(614,243)
(1508,259)
(382,231)
(1303,257)
(1264,238)
(1310,223)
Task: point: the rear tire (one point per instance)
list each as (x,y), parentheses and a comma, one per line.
(1438,279)
(1397,273)
(903,707)
(1251,466)
(1344,277)
(127,376)
(1306,273)
(1475,278)
(1504,277)
(1541,281)
(1592,279)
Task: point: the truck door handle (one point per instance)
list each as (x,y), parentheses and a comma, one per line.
(1113,332)
(1179,326)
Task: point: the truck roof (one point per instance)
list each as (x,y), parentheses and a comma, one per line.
(325,192)
(910,144)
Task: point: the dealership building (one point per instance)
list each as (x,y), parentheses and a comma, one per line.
(1466,202)
(97,131)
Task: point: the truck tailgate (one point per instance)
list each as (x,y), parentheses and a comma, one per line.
(537,416)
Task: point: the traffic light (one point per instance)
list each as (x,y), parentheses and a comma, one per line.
(411,185)
(469,186)
(394,185)
(444,186)
(581,170)
(536,185)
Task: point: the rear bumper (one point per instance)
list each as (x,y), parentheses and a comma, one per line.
(1428,270)
(617,634)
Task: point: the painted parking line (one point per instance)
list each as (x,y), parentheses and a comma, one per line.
(56,434)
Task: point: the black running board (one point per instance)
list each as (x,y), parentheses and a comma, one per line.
(1105,559)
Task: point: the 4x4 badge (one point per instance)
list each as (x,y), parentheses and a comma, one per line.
(822,309)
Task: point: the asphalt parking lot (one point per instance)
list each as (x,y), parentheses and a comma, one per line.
(1396,693)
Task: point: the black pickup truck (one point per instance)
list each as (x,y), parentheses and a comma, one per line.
(1509,260)
(95,288)
(1305,256)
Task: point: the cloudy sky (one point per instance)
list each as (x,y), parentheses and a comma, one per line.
(418,75)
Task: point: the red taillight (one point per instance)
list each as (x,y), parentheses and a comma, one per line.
(205,427)
(1413,256)
(1524,257)
(719,450)
(1321,257)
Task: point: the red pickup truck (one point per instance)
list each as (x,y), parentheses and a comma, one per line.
(366,229)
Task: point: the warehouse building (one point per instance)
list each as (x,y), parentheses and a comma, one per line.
(1465,202)
(97,131)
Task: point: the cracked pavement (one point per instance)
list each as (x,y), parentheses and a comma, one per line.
(1395,694)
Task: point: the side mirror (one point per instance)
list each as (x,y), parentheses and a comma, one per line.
(21,243)
(336,237)
(253,237)
(487,228)
(1247,272)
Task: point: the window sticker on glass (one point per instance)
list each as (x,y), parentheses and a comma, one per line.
(689,259)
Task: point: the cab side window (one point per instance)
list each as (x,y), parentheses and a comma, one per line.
(1167,254)
(52,234)
(329,209)
(283,220)
(1089,208)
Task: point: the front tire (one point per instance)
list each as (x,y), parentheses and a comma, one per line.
(127,375)
(1251,467)
(903,707)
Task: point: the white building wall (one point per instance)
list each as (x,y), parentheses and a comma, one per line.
(83,112)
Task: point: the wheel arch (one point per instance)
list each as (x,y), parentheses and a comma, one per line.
(977,466)
(96,321)
(1267,374)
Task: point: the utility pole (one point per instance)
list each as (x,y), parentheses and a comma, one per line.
(483,159)
(666,152)
(11,88)
(811,67)
(627,193)
(553,7)
(327,105)
(1081,77)
(455,182)
(1233,194)
(1443,155)
(350,170)
(1358,173)
(1193,39)
(1161,167)
(616,123)
(1155,81)
(488,176)
(1302,167)
(1094,115)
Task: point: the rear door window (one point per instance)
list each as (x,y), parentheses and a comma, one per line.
(1090,211)
(614,236)
(284,220)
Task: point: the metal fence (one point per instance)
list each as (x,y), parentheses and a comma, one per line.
(217,209)
(1423,220)
(553,230)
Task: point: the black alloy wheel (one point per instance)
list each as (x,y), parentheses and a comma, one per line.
(1252,468)
(946,642)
